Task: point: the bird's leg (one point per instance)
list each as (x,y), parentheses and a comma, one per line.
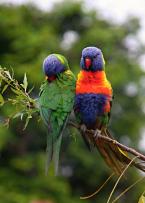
(83,128)
(97,133)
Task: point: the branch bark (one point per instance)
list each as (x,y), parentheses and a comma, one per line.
(113,141)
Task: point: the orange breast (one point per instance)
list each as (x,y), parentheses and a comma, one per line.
(93,82)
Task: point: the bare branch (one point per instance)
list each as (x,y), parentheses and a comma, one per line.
(113,141)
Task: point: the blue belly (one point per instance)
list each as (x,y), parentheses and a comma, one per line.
(89,107)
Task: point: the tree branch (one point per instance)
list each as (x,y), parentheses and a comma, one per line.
(110,140)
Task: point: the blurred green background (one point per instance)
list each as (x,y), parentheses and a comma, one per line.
(27,36)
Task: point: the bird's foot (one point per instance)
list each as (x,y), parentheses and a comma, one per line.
(97,133)
(83,128)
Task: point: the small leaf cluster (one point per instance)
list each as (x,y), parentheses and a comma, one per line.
(25,106)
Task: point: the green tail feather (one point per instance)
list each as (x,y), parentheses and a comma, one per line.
(58,145)
(49,151)
(53,146)
(52,151)
(56,152)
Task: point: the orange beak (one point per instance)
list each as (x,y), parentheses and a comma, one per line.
(88,62)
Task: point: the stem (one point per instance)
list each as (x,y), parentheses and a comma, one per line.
(98,190)
(119,179)
(128,188)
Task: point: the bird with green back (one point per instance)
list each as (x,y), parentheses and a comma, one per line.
(56,102)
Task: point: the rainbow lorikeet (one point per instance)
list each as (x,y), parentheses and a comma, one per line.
(56,102)
(93,105)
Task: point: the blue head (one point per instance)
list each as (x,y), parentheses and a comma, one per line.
(92,59)
(54,64)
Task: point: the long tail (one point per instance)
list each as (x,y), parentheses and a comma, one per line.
(116,158)
(57,145)
(49,151)
(56,153)
(54,145)
(52,151)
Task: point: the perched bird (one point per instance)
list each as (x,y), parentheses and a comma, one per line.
(56,102)
(92,107)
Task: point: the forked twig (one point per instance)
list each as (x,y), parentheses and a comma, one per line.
(120,178)
(127,189)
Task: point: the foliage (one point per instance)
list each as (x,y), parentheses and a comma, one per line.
(27,36)
(142,198)
(24,104)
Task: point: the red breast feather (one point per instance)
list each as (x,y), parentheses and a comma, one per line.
(94,83)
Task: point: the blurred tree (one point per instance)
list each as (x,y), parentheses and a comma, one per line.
(27,36)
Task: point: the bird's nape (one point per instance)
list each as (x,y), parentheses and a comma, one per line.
(54,64)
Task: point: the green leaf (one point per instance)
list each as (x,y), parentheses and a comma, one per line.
(30,90)
(8,74)
(27,121)
(1,100)
(22,116)
(0,80)
(5,87)
(25,82)
(142,199)
(17,115)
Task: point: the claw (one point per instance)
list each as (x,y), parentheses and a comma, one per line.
(83,128)
(97,133)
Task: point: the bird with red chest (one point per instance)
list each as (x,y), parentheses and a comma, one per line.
(93,90)
(92,108)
